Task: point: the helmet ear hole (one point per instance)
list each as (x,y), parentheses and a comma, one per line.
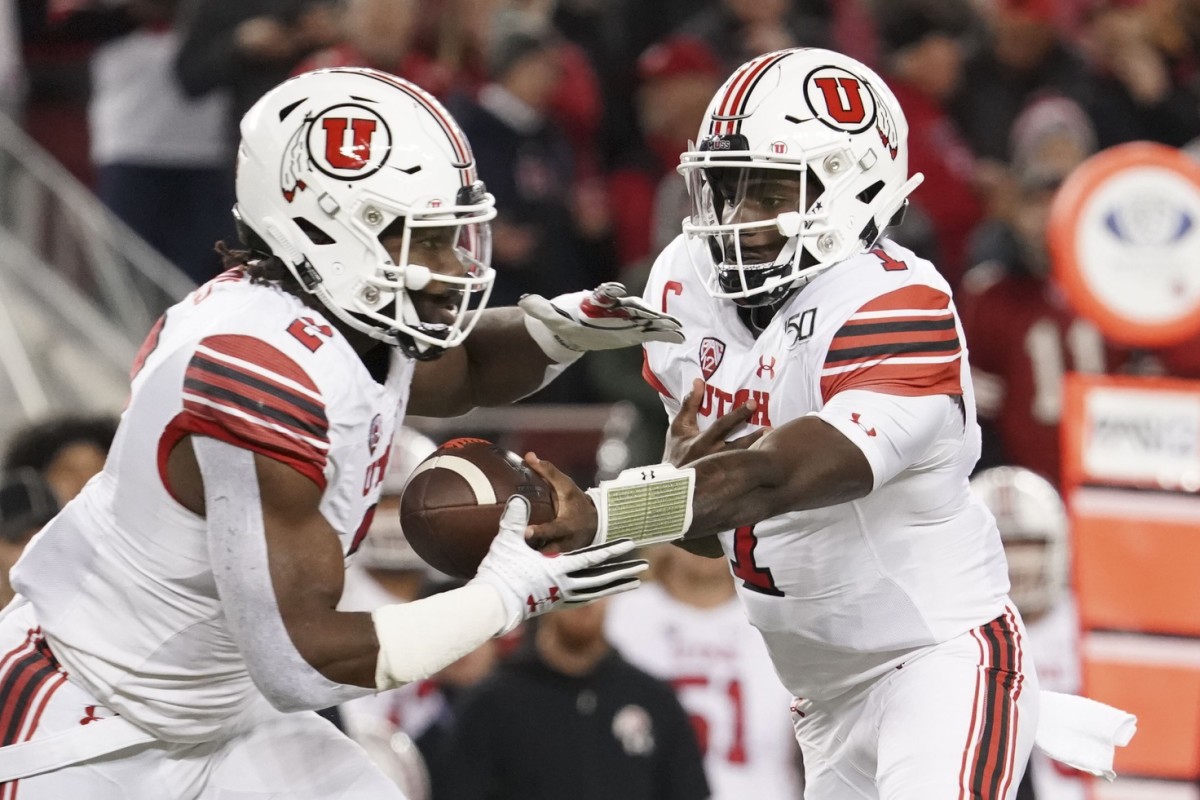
(871,192)
(314,234)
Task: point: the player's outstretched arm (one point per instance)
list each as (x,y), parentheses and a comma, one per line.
(278,569)
(803,464)
(860,440)
(513,352)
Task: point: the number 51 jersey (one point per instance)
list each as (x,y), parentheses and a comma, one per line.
(843,593)
(121,581)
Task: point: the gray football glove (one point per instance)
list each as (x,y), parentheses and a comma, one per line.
(604,318)
(530,583)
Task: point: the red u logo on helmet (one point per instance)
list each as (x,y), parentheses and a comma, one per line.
(357,153)
(843,99)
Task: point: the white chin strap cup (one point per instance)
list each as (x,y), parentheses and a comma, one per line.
(789,223)
(416,277)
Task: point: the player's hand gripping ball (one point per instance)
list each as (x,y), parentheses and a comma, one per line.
(451,506)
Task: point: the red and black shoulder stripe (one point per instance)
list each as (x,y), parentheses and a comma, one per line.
(241,390)
(904,342)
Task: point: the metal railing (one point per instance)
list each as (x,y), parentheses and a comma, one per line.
(78,289)
(64,226)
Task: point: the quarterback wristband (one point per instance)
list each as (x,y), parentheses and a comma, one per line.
(648,504)
(551,345)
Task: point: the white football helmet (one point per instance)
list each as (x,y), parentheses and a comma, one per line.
(1033,526)
(800,163)
(328,161)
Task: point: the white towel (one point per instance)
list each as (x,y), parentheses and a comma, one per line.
(1082,733)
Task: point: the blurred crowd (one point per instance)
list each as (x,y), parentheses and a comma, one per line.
(578,110)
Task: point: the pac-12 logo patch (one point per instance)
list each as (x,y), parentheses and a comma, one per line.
(349,142)
(712,350)
(840,99)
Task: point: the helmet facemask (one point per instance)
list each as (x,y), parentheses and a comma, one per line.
(441,270)
(385,305)
(750,219)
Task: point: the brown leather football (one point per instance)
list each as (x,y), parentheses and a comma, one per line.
(451,506)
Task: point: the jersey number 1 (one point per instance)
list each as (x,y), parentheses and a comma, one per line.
(756,578)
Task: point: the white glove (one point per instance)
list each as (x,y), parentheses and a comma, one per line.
(603,318)
(531,583)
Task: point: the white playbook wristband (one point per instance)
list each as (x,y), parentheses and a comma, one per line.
(649,504)
(554,349)
(419,638)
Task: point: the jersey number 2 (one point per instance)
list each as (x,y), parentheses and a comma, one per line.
(756,578)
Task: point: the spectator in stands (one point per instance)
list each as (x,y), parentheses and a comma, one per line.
(923,66)
(688,629)
(678,77)
(570,718)
(58,38)
(1146,73)
(1022,56)
(1023,334)
(26,504)
(167,175)
(248,46)
(539,243)
(739,30)
(66,451)
(382,34)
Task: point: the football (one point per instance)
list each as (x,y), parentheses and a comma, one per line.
(450,509)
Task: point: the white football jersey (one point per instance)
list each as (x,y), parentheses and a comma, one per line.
(121,580)
(724,679)
(845,592)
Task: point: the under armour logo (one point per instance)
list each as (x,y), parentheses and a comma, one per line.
(855,417)
(539,605)
(765,366)
(90,712)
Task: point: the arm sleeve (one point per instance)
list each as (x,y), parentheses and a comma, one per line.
(237,548)
(894,432)
(208,57)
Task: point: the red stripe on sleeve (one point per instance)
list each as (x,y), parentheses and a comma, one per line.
(917,297)
(261,354)
(906,380)
(253,394)
(904,343)
(295,453)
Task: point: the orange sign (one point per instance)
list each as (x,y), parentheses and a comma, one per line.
(1124,235)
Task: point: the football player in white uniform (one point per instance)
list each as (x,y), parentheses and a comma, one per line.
(687,628)
(1033,526)
(171,616)
(876,578)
